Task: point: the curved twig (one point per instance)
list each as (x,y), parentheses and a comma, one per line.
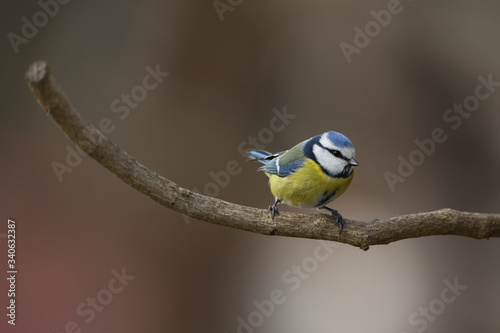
(167,193)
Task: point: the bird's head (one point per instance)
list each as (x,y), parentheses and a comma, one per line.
(334,152)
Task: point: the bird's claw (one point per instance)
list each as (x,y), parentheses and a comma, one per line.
(274,208)
(336,215)
(274,211)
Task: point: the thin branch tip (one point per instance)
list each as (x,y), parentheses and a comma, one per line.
(37,72)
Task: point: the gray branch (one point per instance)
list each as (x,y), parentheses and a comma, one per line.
(318,226)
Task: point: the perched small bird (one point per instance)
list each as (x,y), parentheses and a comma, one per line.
(311,174)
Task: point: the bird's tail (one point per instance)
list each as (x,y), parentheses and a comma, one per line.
(261,156)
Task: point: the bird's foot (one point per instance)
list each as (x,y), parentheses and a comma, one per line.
(274,209)
(336,215)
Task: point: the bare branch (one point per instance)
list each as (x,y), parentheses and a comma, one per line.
(167,193)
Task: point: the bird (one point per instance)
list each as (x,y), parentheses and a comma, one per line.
(311,174)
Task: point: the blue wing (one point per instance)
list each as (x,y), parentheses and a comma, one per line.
(282,164)
(274,167)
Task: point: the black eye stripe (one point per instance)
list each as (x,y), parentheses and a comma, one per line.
(333,152)
(337,153)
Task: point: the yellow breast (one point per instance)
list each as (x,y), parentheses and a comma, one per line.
(309,186)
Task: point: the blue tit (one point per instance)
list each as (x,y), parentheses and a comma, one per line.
(312,174)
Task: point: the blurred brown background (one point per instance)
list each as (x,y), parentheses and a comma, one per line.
(225,78)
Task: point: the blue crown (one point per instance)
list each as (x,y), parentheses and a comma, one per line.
(339,139)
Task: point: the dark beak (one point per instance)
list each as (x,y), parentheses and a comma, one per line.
(353,162)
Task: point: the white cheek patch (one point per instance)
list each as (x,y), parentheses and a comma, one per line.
(327,161)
